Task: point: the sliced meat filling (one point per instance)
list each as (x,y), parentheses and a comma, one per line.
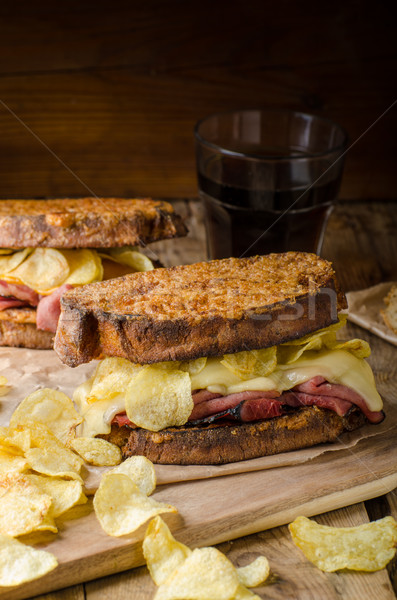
(256,405)
(13,295)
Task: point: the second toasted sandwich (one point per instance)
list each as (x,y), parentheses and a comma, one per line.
(49,246)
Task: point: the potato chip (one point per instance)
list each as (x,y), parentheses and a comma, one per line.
(193,367)
(158,398)
(23,506)
(97,451)
(205,574)
(130,256)
(64,494)
(11,463)
(43,270)
(8,262)
(252,363)
(122,508)
(255,573)
(16,440)
(367,547)
(85,266)
(20,563)
(357,347)
(111,378)
(141,470)
(244,594)
(289,353)
(52,408)
(163,554)
(49,456)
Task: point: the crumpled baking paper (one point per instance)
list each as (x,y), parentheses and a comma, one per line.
(364,310)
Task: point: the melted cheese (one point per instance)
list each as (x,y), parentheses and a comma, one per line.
(336,366)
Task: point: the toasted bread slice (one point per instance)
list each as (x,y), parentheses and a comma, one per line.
(225,443)
(86,223)
(24,335)
(205,309)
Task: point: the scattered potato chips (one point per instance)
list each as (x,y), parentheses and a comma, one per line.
(163,554)
(121,507)
(23,506)
(201,574)
(20,563)
(206,573)
(15,440)
(157,398)
(49,456)
(52,408)
(255,573)
(253,363)
(141,470)
(367,547)
(97,451)
(64,493)
(12,463)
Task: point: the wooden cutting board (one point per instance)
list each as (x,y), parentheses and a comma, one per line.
(220,509)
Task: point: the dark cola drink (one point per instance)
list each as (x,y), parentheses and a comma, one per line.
(242,222)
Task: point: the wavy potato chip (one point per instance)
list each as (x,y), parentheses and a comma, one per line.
(194,367)
(9,262)
(357,347)
(130,256)
(140,470)
(51,408)
(157,398)
(11,463)
(122,508)
(85,266)
(111,378)
(43,270)
(252,363)
(23,506)
(49,456)
(367,547)
(162,552)
(16,440)
(206,573)
(255,573)
(20,563)
(97,451)
(244,594)
(64,493)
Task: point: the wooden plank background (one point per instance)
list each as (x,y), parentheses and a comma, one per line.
(113,89)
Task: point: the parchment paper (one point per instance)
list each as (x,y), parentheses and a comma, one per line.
(29,370)
(364,310)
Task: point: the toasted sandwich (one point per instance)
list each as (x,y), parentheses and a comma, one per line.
(49,246)
(218,361)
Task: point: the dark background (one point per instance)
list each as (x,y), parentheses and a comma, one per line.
(114,88)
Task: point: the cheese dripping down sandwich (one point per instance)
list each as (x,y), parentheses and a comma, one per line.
(219,361)
(50,246)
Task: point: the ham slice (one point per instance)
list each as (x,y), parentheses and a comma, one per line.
(224,403)
(6,302)
(49,309)
(17,291)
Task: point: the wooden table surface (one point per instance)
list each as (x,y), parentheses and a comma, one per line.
(361,241)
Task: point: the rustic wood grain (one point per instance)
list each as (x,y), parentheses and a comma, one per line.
(115,93)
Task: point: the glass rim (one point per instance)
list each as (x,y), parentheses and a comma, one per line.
(252,155)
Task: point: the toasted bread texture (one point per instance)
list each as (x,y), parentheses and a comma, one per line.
(205,309)
(24,335)
(219,443)
(86,223)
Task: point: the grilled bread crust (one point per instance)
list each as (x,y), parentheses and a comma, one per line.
(86,223)
(24,335)
(205,309)
(217,444)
